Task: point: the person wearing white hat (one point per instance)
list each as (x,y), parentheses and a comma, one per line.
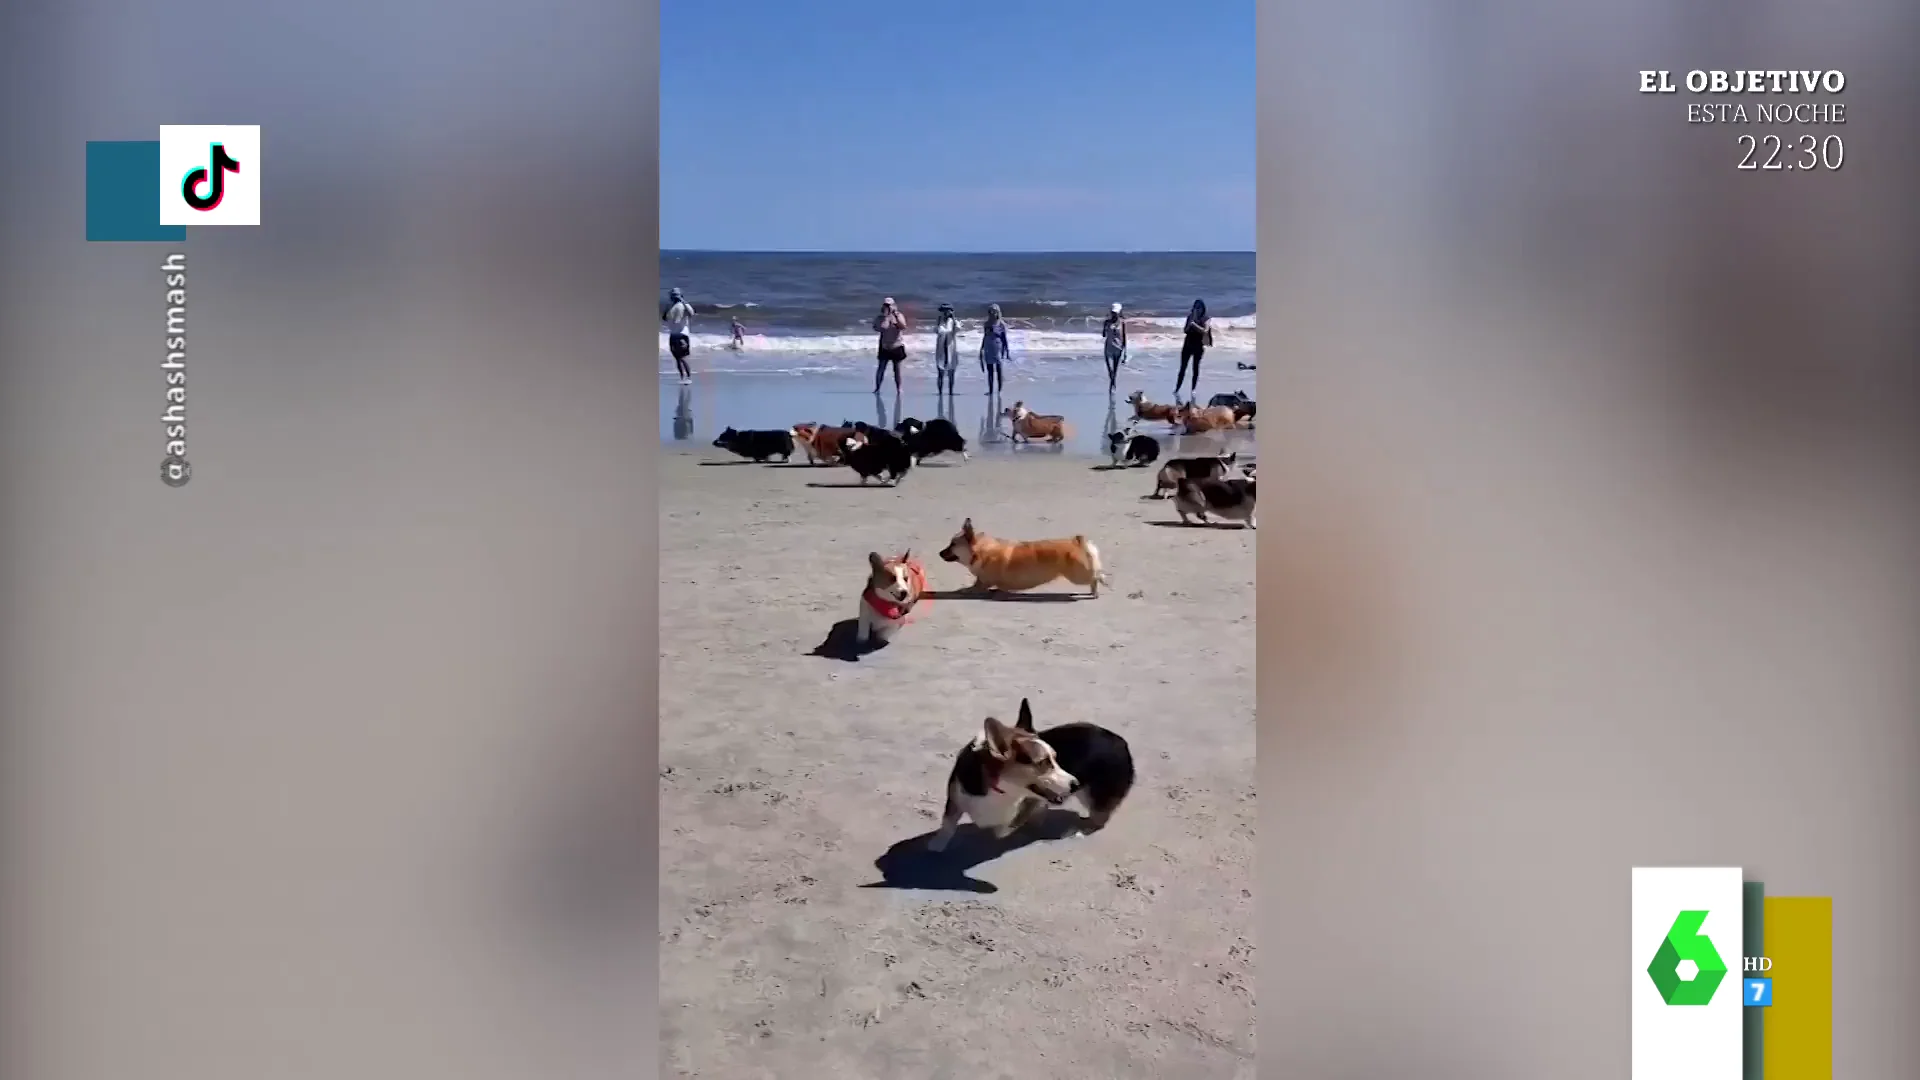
(678,315)
(892,327)
(1114,330)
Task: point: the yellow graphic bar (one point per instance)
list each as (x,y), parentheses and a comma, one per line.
(1798,1035)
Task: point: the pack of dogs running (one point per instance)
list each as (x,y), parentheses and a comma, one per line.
(1008,774)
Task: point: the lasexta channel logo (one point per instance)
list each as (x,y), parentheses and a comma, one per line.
(1686,947)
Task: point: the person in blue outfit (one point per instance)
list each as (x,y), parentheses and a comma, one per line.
(994,350)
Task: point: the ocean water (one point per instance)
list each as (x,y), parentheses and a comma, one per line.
(808,352)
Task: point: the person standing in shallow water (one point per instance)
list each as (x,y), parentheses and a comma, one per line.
(891,325)
(1199,335)
(946,350)
(1114,331)
(678,315)
(994,350)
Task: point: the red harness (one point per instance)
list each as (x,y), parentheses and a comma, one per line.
(891,610)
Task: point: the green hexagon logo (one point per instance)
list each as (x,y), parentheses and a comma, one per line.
(1685,943)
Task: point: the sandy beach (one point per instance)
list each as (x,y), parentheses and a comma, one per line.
(804,932)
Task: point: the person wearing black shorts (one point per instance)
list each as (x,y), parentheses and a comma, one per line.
(1199,335)
(892,328)
(679,319)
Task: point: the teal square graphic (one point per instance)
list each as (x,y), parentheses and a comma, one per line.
(1759,993)
(123,194)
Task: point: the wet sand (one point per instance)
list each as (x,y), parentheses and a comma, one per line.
(695,413)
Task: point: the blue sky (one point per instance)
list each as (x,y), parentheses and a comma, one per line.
(1048,125)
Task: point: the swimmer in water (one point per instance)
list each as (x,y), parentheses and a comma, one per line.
(739,334)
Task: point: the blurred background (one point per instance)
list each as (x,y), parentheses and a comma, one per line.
(338,760)
(1594,543)
(1595,537)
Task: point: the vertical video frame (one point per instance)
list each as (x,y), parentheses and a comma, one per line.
(958,515)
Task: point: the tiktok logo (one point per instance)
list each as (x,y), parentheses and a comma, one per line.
(209,175)
(213,176)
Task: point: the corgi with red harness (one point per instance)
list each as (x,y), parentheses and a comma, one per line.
(894,588)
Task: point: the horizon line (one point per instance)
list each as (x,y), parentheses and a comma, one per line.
(978,251)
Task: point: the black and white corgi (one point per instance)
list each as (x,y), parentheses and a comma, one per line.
(935,436)
(881,452)
(1127,448)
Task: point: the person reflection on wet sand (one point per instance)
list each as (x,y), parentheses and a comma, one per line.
(683,414)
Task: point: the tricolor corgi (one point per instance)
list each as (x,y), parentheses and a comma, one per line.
(894,586)
(1231,499)
(1007,774)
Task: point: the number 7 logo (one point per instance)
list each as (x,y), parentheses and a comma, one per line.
(1759,993)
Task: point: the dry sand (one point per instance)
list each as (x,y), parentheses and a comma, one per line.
(803,931)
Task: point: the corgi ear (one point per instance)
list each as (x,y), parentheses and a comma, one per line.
(966,528)
(874,560)
(999,738)
(905,555)
(1025,723)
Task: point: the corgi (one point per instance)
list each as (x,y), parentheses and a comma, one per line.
(1193,468)
(821,443)
(1028,425)
(1007,774)
(1126,448)
(894,586)
(757,445)
(1147,410)
(882,452)
(1244,407)
(1019,565)
(936,436)
(1199,421)
(1231,499)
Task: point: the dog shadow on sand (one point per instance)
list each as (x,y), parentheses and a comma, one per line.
(910,865)
(843,643)
(1235,525)
(1008,597)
